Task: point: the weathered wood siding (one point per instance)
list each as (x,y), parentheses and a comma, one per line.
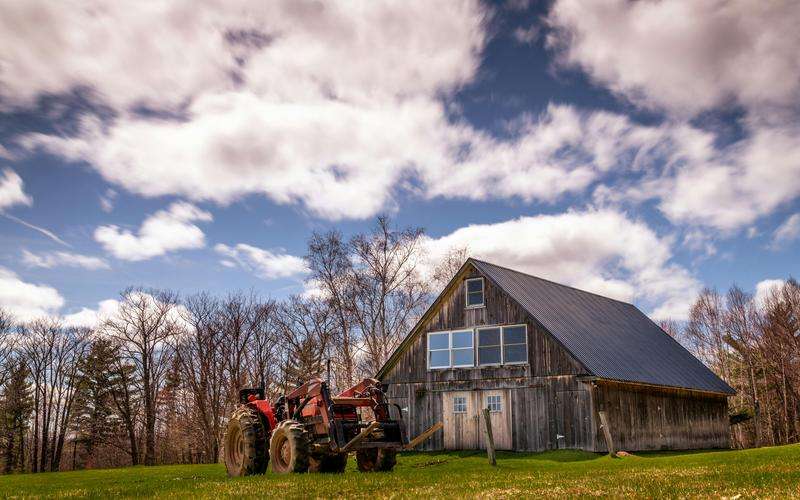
(652,418)
(544,397)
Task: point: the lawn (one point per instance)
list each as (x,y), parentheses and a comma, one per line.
(766,472)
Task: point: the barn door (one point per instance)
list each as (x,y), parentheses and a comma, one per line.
(460,420)
(500,415)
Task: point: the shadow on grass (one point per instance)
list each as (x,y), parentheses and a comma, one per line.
(678,453)
(561,456)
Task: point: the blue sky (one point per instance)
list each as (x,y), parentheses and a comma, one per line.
(639,150)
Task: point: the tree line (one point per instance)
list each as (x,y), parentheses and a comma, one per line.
(754,345)
(154,382)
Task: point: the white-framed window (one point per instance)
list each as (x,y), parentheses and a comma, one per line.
(473,288)
(506,345)
(459,404)
(439,350)
(515,344)
(455,349)
(494,403)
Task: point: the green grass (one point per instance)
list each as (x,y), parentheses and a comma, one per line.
(766,472)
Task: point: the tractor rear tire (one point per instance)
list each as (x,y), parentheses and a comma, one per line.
(376,460)
(290,447)
(328,463)
(245,446)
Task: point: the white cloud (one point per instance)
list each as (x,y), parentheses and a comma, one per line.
(27,301)
(699,241)
(684,55)
(603,251)
(765,288)
(527,36)
(91,318)
(107,200)
(786,232)
(164,231)
(110,308)
(264,263)
(11,190)
(67,259)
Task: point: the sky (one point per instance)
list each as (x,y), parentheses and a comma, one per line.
(640,150)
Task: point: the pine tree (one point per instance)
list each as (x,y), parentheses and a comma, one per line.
(16,406)
(94,403)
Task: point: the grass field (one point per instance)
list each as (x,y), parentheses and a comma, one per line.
(766,472)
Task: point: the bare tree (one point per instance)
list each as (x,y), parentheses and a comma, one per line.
(306,327)
(331,265)
(200,356)
(389,292)
(53,354)
(7,344)
(447,267)
(145,325)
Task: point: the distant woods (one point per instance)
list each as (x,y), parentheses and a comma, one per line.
(155,381)
(755,347)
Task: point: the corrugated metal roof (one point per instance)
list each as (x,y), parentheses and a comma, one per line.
(612,339)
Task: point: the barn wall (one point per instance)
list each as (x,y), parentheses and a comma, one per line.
(545,397)
(646,418)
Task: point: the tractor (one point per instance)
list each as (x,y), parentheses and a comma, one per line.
(308,430)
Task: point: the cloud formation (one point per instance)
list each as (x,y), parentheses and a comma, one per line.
(165,231)
(12,190)
(50,260)
(264,263)
(27,301)
(788,231)
(684,55)
(603,251)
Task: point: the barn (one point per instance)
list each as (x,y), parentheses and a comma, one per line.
(550,362)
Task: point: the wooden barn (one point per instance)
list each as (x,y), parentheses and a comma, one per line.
(547,359)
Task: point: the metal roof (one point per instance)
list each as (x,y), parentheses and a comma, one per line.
(612,339)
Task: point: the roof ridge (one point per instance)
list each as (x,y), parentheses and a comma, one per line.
(552,282)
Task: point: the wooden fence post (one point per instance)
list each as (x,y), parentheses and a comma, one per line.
(607,433)
(489,437)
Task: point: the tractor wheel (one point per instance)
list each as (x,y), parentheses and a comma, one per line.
(290,447)
(376,460)
(245,445)
(328,463)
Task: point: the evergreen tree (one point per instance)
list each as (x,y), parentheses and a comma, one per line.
(94,419)
(16,406)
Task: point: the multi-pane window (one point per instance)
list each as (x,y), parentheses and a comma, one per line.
(515,345)
(502,345)
(451,349)
(474,291)
(494,403)
(495,345)
(489,348)
(461,349)
(439,350)
(459,404)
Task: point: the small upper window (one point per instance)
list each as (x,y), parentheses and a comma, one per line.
(459,404)
(494,403)
(474,290)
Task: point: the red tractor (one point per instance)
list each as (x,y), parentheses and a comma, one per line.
(307,430)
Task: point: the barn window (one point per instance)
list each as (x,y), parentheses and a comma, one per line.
(474,291)
(494,403)
(462,348)
(515,344)
(489,350)
(439,350)
(451,349)
(459,404)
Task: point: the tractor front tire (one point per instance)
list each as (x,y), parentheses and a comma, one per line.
(328,463)
(376,460)
(245,446)
(290,447)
